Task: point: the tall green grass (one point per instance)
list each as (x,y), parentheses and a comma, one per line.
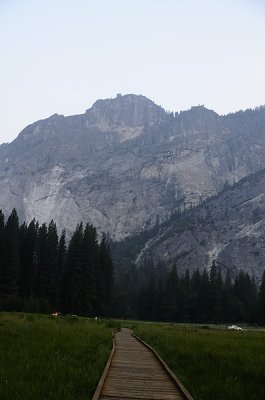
(213,364)
(42,357)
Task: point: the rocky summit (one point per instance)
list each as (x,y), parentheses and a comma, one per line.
(126,164)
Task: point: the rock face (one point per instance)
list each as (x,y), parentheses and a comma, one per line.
(126,164)
(228,228)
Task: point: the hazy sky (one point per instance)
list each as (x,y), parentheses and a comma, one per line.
(62,55)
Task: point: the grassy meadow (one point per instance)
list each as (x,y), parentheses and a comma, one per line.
(212,363)
(43,357)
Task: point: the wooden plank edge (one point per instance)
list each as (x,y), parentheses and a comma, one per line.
(105,373)
(178,383)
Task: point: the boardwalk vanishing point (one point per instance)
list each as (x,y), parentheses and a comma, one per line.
(135,371)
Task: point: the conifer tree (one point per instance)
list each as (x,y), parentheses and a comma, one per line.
(62,251)
(43,273)
(245,292)
(28,252)
(90,287)
(52,263)
(2,227)
(172,295)
(261,301)
(161,303)
(147,300)
(105,274)
(227,299)
(73,277)
(193,301)
(186,294)
(215,294)
(10,270)
(204,297)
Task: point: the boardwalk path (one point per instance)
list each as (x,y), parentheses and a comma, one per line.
(134,372)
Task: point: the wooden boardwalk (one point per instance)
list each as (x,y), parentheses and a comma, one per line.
(134,371)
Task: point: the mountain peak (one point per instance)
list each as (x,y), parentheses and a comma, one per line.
(126,99)
(130,109)
(201,110)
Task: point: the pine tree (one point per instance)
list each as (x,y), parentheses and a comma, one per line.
(193,300)
(244,291)
(204,297)
(187,294)
(62,251)
(10,269)
(172,296)
(125,291)
(161,297)
(90,288)
(73,276)
(147,300)
(227,299)
(215,294)
(52,263)
(2,228)
(261,301)
(105,275)
(43,272)
(28,250)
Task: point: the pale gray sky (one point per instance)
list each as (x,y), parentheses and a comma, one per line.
(62,55)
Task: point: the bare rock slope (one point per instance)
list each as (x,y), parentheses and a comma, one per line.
(126,163)
(228,228)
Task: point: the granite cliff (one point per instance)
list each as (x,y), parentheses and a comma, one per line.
(228,228)
(127,164)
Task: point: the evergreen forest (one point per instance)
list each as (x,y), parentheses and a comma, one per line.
(158,292)
(41,271)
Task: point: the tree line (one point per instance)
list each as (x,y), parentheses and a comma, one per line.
(41,272)
(207,296)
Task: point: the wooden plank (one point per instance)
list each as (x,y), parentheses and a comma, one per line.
(121,398)
(105,372)
(171,373)
(134,372)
